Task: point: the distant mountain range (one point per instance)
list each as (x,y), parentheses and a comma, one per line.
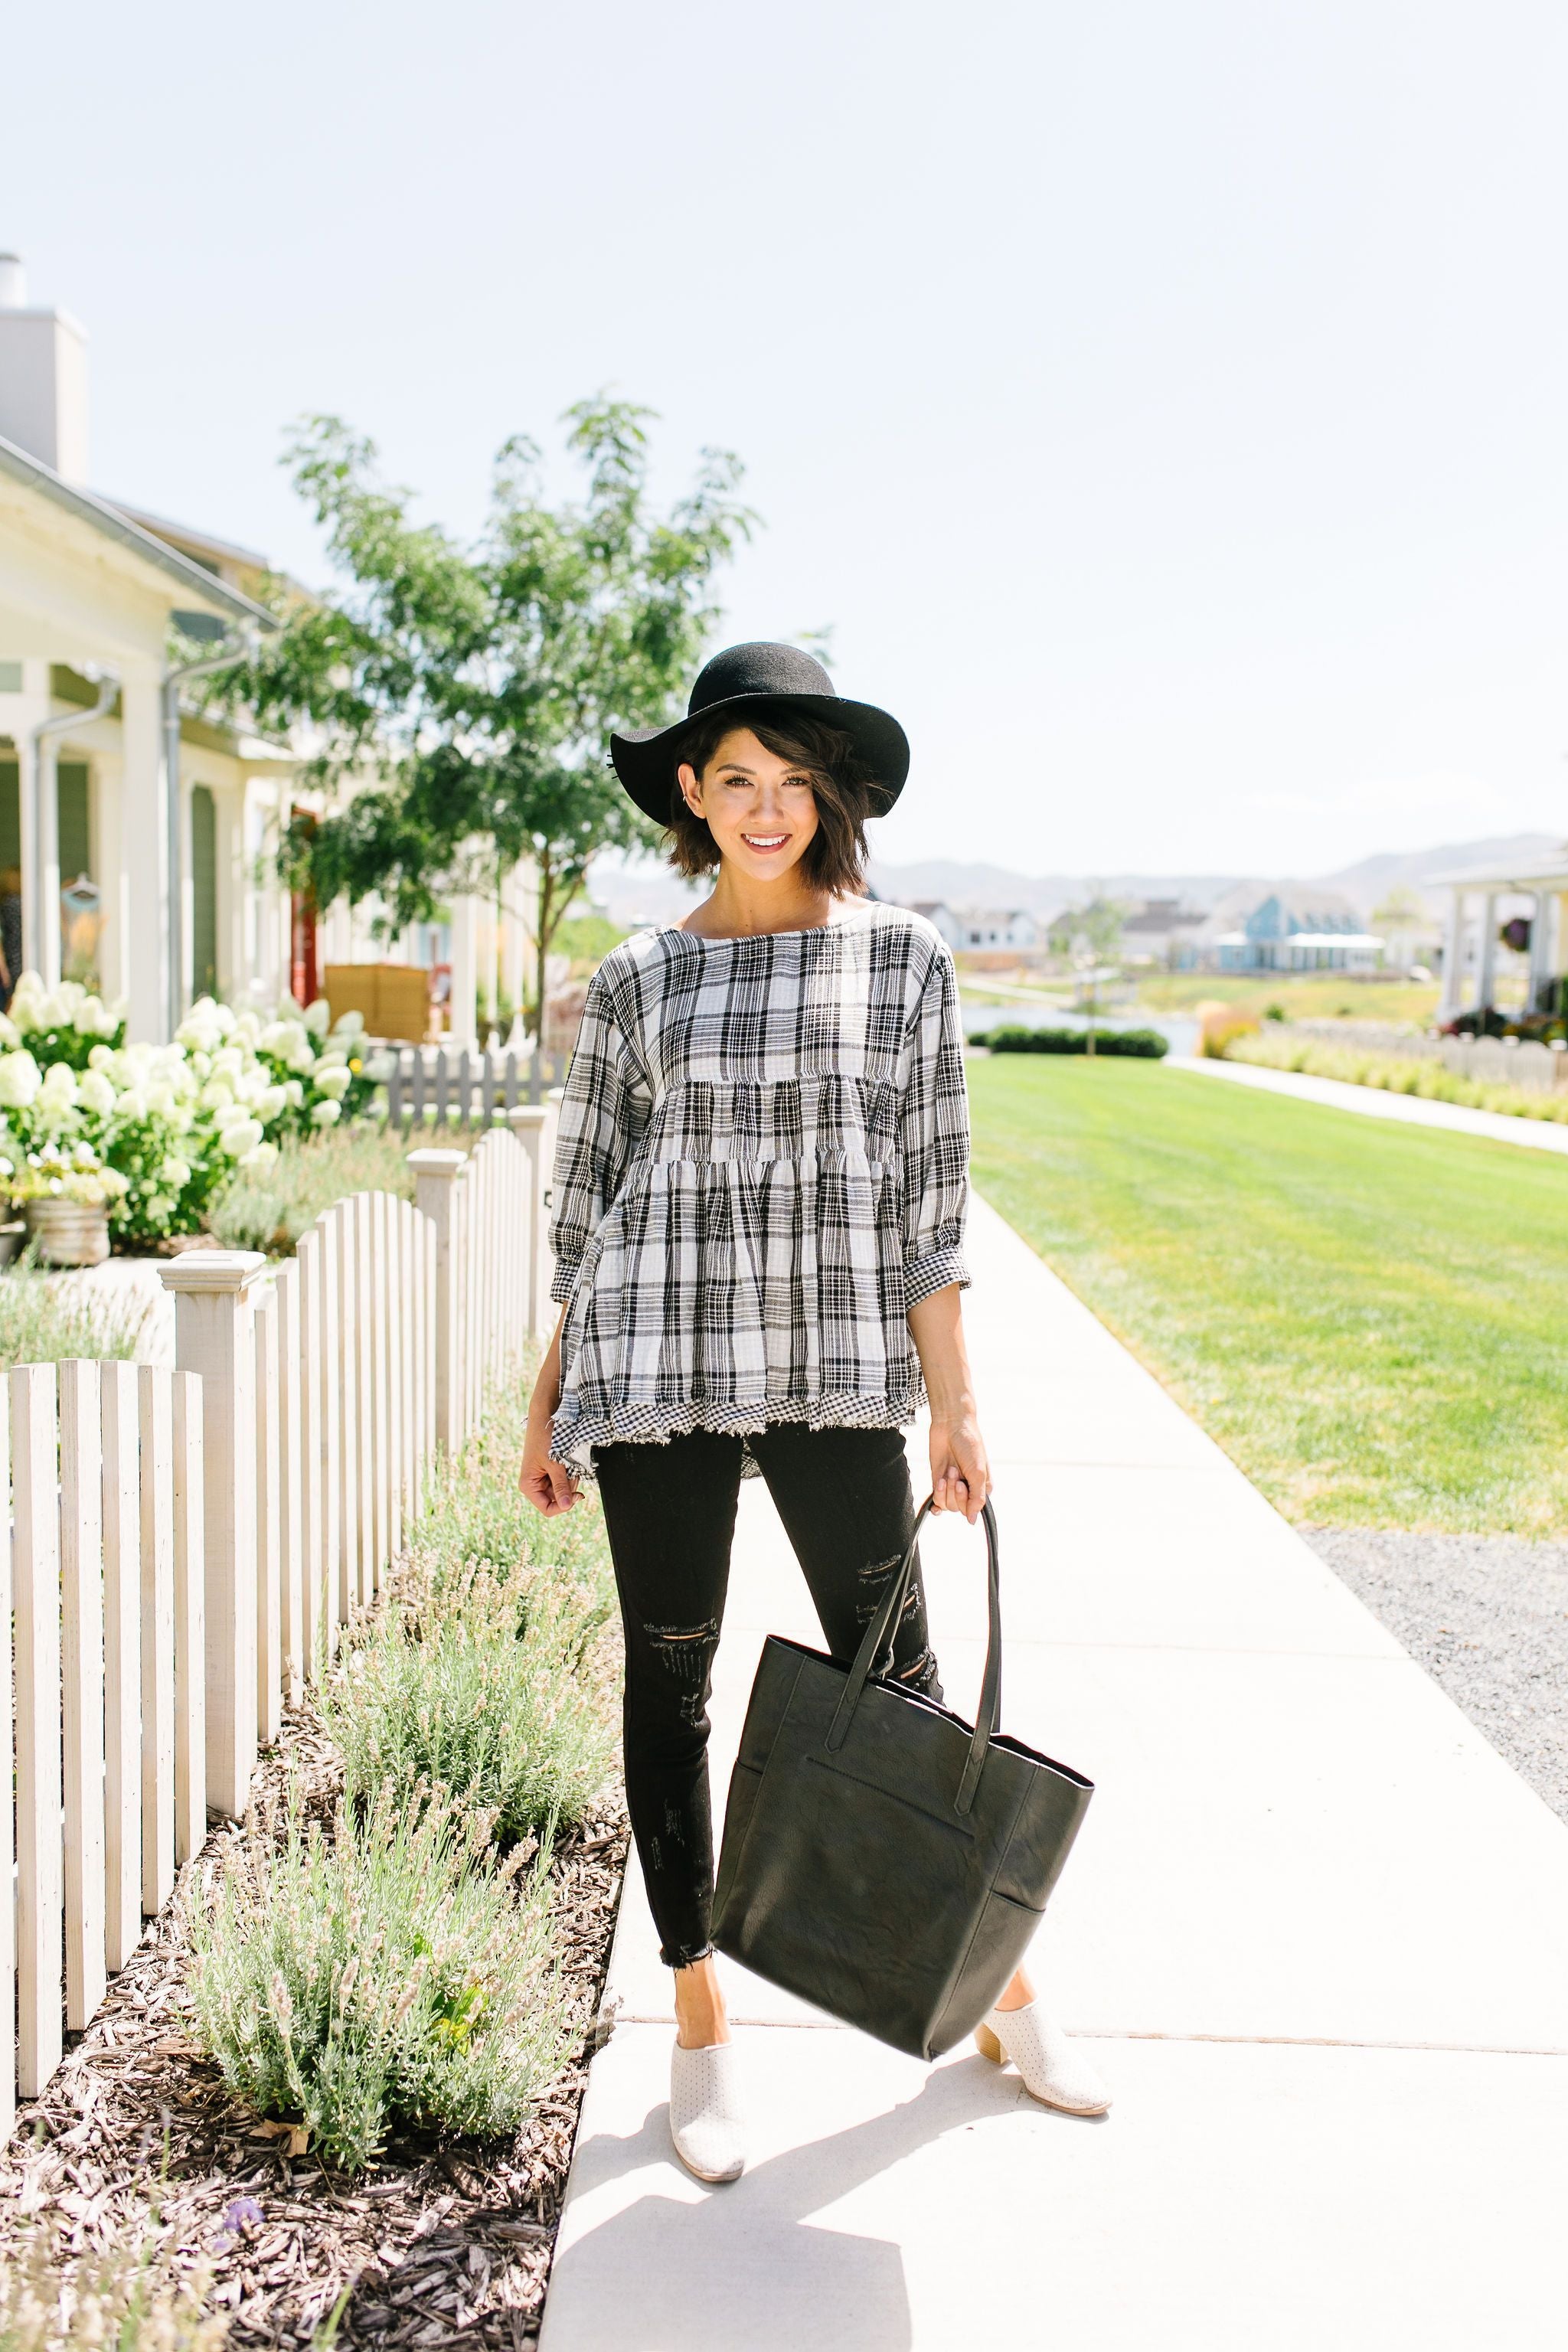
(643,893)
(1370,882)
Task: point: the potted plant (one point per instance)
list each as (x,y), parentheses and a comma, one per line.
(65,1195)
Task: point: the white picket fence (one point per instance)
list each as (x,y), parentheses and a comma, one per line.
(438,1086)
(183,1545)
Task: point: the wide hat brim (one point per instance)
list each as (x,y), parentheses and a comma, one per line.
(646,758)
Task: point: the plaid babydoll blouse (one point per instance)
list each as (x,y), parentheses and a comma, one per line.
(761,1165)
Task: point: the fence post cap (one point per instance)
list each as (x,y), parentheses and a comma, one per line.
(528,1113)
(436,1163)
(231,1270)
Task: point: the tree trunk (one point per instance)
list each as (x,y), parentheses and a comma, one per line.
(543,932)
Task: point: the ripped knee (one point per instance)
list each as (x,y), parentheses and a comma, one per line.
(871,1583)
(686,1654)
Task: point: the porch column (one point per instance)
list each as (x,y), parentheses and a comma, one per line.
(514,946)
(276,914)
(109,852)
(1486,961)
(1454,959)
(1541,946)
(463,1011)
(233,890)
(28,765)
(142,908)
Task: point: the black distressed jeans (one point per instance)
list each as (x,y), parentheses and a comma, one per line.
(845,1500)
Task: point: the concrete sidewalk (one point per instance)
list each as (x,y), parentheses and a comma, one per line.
(1318,1930)
(1377,1102)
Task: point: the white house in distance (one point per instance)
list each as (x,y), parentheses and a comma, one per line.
(1480,903)
(980,930)
(1161,931)
(137,839)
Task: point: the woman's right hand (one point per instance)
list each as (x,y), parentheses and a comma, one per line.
(548,1484)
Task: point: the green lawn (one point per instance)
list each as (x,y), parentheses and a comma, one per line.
(1372,1320)
(1303,996)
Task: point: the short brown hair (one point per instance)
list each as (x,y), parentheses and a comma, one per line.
(846,790)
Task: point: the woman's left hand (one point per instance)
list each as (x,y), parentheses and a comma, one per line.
(960,1473)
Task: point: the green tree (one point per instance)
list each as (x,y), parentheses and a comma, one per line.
(1097,930)
(1401,909)
(461,696)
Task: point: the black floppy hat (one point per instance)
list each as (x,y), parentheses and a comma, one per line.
(754,682)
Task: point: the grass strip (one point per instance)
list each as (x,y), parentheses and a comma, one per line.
(1371,1319)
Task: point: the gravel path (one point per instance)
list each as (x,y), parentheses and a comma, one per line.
(1488,1618)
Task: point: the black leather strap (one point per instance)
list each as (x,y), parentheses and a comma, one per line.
(879,1636)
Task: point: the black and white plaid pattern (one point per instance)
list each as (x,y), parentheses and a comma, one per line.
(761,1165)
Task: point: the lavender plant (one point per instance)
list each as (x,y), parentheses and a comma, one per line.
(388,1975)
(484,1685)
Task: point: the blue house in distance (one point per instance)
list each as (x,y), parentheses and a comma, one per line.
(1288,927)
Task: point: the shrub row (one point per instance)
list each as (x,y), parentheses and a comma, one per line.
(1141,1045)
(1397,1075)
(393,1968)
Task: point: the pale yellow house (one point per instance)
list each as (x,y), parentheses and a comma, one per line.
(138,837)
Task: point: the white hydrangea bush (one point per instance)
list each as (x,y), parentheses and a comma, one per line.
(168,1124)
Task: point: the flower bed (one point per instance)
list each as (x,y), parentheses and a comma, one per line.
(1395,1073)
(353,1976)
(154,1130)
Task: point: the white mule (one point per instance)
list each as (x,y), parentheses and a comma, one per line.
(705,2117)
(1053,2067)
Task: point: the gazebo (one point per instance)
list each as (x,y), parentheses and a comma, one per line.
(1541,880)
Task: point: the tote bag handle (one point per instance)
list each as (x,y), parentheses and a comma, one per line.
(879,1636)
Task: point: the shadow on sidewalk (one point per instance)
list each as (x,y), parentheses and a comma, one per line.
(743,2266)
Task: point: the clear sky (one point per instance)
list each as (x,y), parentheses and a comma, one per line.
(1165,404)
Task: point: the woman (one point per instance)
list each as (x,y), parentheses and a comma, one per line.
(759,1201)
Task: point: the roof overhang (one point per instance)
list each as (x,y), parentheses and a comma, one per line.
(1535,874)
(198,587)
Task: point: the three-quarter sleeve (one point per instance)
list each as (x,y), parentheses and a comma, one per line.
(604,1109)
(935,1139)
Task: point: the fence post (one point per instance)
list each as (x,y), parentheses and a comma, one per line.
(187,1522)
(40,1854)
(121,1663)
(7,1812)
(435,1174)
(82,1599)
(268,1529)
(154,1401)
(213,1337)
(291,1498)
(531,1123)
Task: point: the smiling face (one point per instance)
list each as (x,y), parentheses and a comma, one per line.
(761,809)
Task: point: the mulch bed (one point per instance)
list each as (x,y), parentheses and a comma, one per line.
(440,2243)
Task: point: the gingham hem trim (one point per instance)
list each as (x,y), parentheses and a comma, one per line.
(934,1272)
(639,1424)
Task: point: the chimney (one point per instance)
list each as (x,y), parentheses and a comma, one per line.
(43,377)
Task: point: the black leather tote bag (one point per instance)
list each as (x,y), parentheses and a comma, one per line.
(883,1858)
